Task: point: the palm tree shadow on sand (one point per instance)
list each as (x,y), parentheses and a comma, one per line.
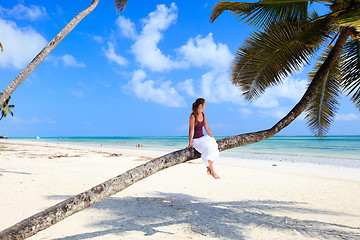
(223,220)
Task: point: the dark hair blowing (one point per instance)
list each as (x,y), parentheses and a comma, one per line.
(195,107)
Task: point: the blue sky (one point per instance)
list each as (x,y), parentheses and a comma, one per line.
(137,73)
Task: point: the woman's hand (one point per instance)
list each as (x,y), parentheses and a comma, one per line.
(190,146)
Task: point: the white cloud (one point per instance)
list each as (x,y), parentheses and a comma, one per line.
(205,52)
(17,120)
(98,39)
(291,89)
(70,61)
(145,47)
(21,45)
(127,27)
(267,100)
(280,112)
(216,87)
(78,94)
(245,111)
(35,120)
(347,117)
(113,57)
(277,113)
(49,120)
(199,52)
(22,12)
(161,93)
(187,87)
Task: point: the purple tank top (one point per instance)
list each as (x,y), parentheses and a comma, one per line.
(198,133)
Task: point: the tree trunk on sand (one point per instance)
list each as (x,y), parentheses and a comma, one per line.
(45,52)
(54,214)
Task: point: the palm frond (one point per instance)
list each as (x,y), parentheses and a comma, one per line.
(6,103)
(265,11)
(351,70)
(5,108)
(237,8)
(120,5)
(322,109)
(268,57)
(350,17)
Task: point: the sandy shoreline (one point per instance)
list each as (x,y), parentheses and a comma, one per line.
(253,200)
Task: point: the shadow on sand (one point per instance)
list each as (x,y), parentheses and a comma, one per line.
(223,220)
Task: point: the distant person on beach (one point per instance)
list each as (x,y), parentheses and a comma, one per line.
(206,145)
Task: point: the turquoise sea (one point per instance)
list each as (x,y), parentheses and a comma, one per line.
(339,150)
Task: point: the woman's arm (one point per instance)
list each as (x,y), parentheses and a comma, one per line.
(207,128)
(191,129)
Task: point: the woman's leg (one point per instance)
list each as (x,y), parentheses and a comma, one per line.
(211,170)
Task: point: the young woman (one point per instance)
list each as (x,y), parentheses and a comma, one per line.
(206,145)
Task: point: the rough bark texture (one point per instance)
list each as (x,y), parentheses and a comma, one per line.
(54,214)
(45,52)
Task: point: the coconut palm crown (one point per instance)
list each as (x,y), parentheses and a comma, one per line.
(6,108)
(289,33)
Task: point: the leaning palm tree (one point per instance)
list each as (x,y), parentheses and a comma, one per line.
(6,108)
(44,52)
(288,35)
(299,36)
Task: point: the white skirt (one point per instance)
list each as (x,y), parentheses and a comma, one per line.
(208,148)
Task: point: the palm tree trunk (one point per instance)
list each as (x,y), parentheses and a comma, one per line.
(45,52)
(54,214)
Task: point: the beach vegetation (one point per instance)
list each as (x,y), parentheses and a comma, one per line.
(288,35)
(6,108)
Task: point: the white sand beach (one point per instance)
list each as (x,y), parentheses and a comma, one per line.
(254,199)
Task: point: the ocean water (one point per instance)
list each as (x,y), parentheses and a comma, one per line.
(339,150)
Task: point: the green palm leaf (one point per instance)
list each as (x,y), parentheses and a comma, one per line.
(322,109)
(237,8)
(268,57)
(262,12)
(120,5)
(351,70)
(350,18)
(6,108)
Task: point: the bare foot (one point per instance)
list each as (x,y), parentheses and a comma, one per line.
(211,170)
(208,170)
(215,175)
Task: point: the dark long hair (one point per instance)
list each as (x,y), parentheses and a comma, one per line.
(195,107)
